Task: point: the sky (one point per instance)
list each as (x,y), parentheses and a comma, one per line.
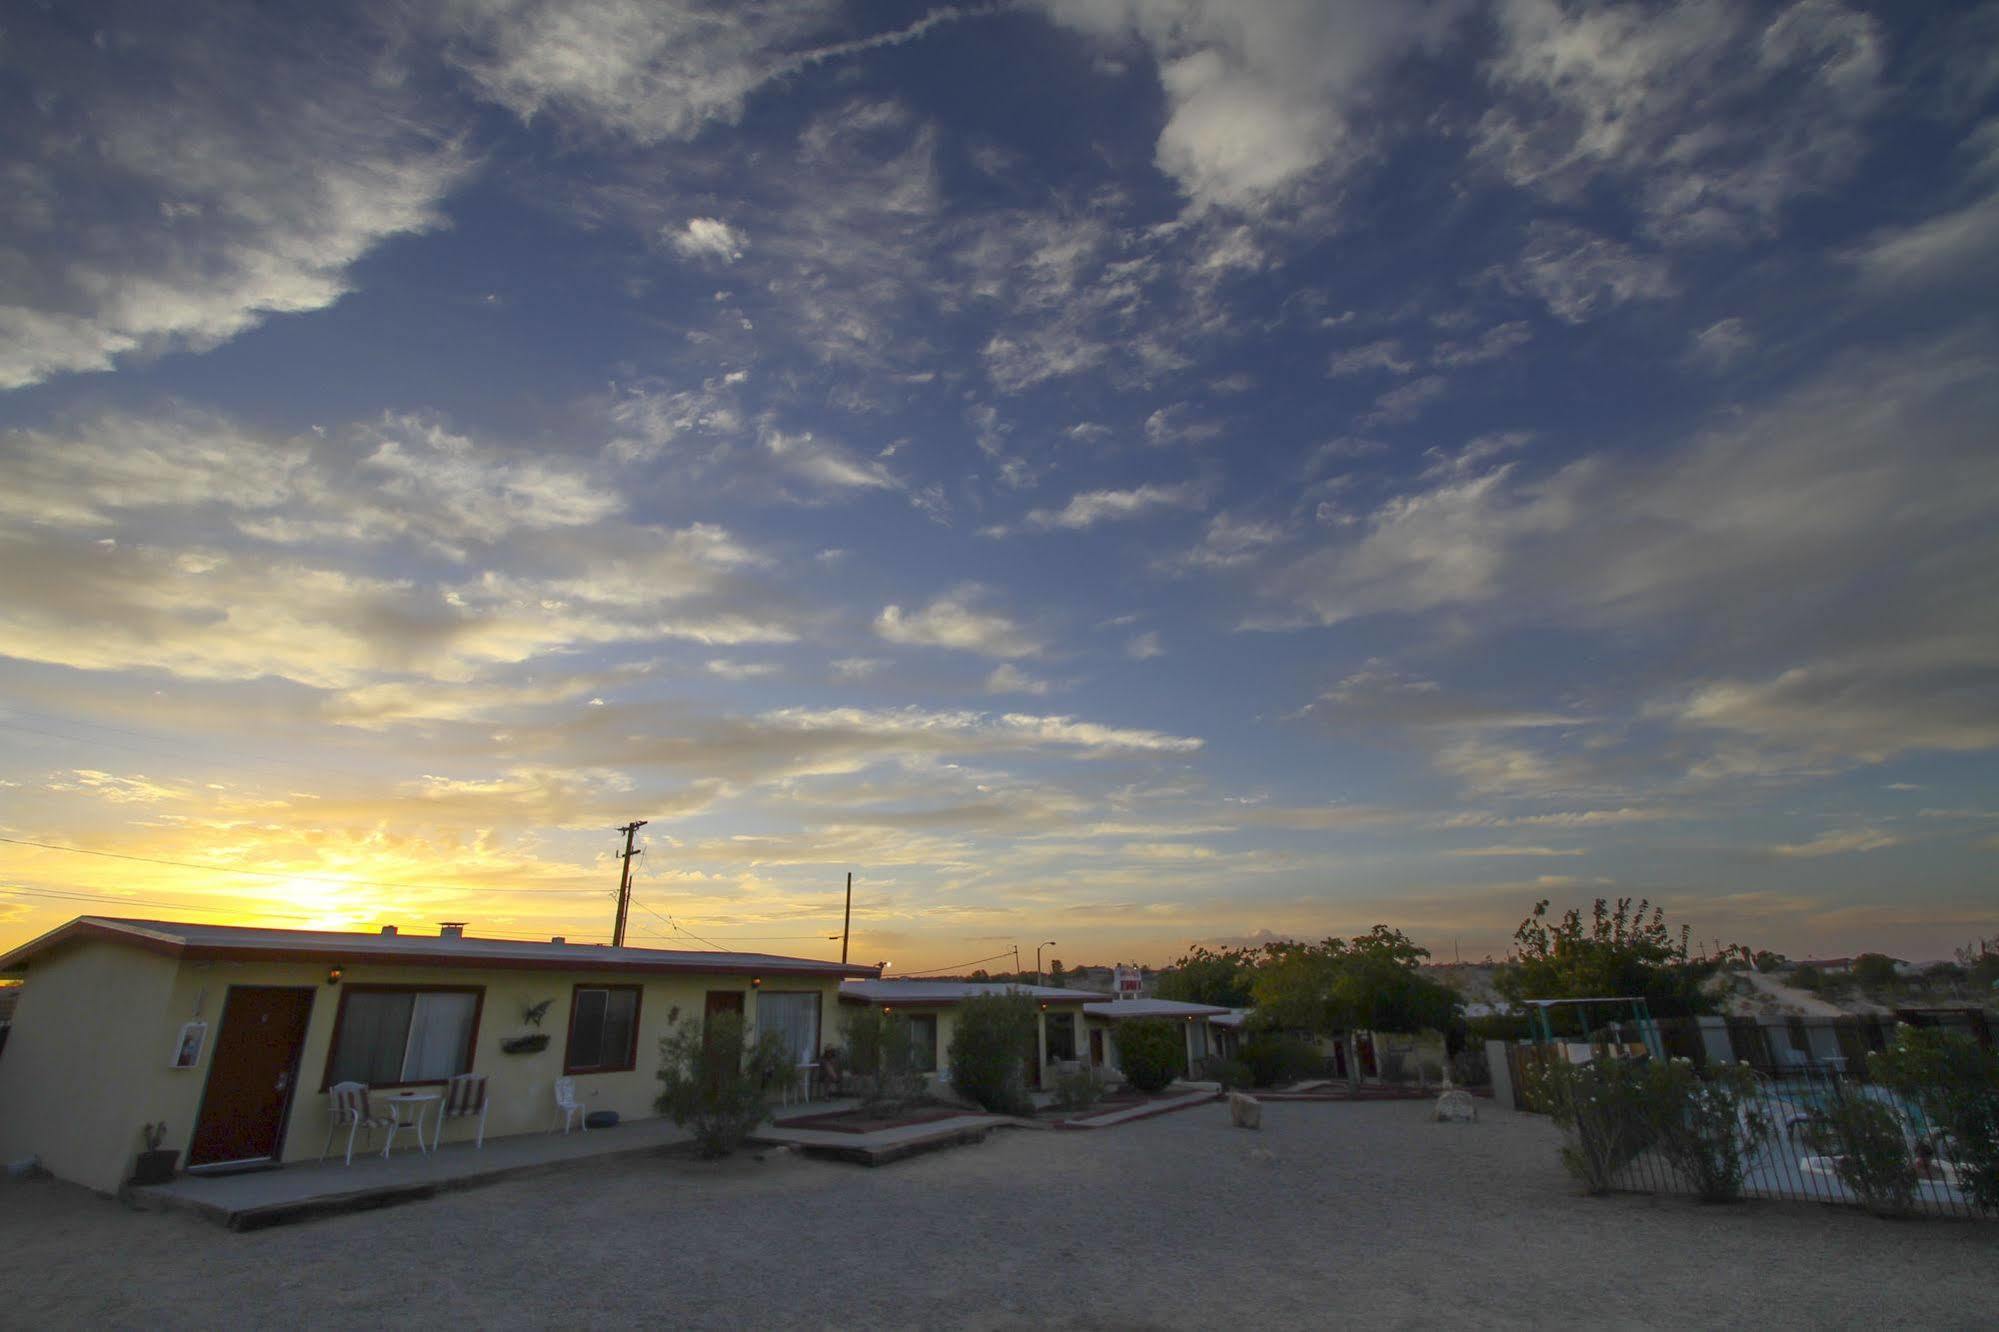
(1124,473)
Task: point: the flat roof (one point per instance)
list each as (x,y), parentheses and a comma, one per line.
(181,938)
(1143,1008)
(955,992)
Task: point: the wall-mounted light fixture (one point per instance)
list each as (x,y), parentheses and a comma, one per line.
(756,982)
(333,975)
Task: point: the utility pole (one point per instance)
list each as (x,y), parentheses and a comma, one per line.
(625,883)
(847,925)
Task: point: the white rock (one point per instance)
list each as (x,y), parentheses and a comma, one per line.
(1245,1111)
(1456,1107)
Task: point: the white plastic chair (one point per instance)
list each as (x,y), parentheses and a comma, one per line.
(464,1097)
(571,1108)
(348,1104)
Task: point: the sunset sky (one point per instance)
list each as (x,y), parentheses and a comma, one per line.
(1123,472)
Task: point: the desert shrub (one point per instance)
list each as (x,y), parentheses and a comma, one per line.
(1869,1151)
(712,1080)
(1875,971)
(1468,1068)
(881,1054)
(1706,1127)
(1079,1089)
(1601,1108)
(989,1045)
(1955,1083)
(1807,977)
(1233,1074)
(1274,1059)
(1151,1051)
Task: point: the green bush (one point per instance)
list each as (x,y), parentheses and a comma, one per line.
(1869,1152)
(1151,1051)
(1955,1083)
(1601,1108)
(1705,1127)
(1274,1059)
(880,1053)
(989,1047)
(1875,971)
(1233,1074)
(721,1086)
(1079,1089)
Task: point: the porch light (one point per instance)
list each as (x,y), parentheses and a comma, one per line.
(333,975)
(756,982)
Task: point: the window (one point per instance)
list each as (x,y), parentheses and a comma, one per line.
(1061,1036)
(1200,1029)
(389,1037)
(923,1042)
(794,1016)
(603,1029)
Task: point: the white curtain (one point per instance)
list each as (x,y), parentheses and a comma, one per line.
(795,1018)
(440,1028)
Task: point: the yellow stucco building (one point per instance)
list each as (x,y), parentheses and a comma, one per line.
(231,1037)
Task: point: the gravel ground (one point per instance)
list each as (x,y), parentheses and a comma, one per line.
(1331,1212)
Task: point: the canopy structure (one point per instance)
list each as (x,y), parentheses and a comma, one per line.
(1595,1014)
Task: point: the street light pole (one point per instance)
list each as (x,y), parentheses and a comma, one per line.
(1037,959)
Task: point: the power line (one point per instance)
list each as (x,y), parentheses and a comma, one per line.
(304,878)
(147,902)
(955,965)
(673,924)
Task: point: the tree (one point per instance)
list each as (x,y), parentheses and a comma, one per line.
(990,1043)
(1955,1083)
(1874,971)
(1223,977)
(1057,977)
(880,1052)
(1339,986)
(710,1078)
(1151,1051)
(1622,952)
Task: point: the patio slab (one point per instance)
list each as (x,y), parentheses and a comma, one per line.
(1160,1105)
(252,1200)
(890,1144)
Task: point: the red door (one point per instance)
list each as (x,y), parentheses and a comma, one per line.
(723,1001)
(251,1076)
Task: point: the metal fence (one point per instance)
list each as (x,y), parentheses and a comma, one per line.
(1798,1142)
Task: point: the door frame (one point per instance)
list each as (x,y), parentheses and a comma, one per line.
(311,993)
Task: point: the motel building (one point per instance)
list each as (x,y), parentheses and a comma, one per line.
(233,1038)
(931,1007)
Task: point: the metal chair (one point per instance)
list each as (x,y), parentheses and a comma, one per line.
(348,1104)
(571,1108)
(464,1097)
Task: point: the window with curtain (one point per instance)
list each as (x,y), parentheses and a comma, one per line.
(923,1042)
(603,1029)
(795,1018)
(1061,1036)
(389,1037)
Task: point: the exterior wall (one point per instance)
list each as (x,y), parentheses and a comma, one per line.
(87,1063)
(86,1078)
(946,1015)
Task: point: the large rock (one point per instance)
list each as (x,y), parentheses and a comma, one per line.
(1457,1107)
(1245,1111)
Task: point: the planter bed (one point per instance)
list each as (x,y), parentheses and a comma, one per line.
(854,1121)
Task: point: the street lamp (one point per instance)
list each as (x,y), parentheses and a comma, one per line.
(1037,959)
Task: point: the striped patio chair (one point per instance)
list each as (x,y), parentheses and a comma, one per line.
(348,1105)
(464,1097)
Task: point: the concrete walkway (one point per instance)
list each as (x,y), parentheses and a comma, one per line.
(251,1200)
(1160,1105)
(889,1144)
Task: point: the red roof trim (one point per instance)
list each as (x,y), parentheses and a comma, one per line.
(897,1001)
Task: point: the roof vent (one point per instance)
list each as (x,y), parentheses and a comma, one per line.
(556,938)
(388,929)
(451,929)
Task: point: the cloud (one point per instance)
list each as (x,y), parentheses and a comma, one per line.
(742,670)
(1498,341)
(1088,508)
(1713,116)
(294,148)
(1481,852)
(1580,276)
(1838,844)
(1399,406)
(1721,344)
(825,464)
(955,731)
(1144,647)
(1375,356)
(1475,454)
(954,621)
(709,238)
(1230,542)
(1377,696)
(1007,678)
(1951,248)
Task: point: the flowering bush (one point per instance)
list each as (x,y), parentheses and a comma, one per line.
(1705,1127)
(714,1079)
(1955,1083)
(1601,1108)
(1869,1151)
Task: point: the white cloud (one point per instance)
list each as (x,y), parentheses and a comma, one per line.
(1721,344)
(1007,678)
(742,670)
(857,668)
(1580,276)
(1091,507)
(826,464)
(1401,405)
(1230,542)
(708,238)
(1374,356)
(1498,341)
(1843,843)
(1145,646)
(954,621)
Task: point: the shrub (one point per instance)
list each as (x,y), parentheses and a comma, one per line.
(1875,971)
(1600,1108)
(1233,1074)
(881,1054)
(1079,1089)
(1705,1127)
(1955,1083)
(1151,1051)
(1869,1152)
(711,1079)
(989,1046)
(1808,977)
(1275,1059)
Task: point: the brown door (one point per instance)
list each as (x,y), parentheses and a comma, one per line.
(1097,1046)
(251,1076)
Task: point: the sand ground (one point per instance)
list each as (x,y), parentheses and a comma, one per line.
(1333,1213)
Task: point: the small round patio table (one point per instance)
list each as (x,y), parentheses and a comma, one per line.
(417,1102)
